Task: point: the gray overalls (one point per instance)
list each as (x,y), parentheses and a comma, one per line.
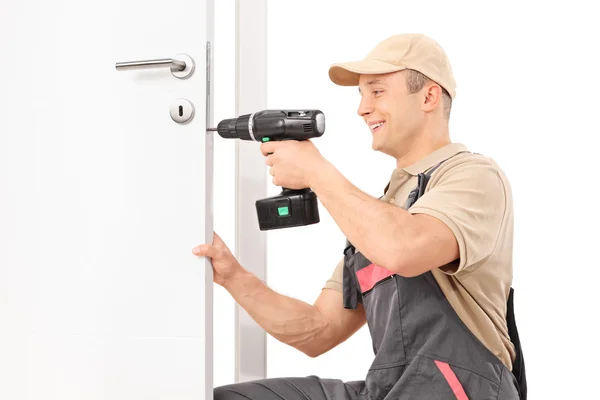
(422,348)
(423,351)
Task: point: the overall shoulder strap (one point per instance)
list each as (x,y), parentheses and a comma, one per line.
(422,180)
(518,369)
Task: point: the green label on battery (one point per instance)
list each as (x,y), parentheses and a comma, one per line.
(265,139)
(283,211)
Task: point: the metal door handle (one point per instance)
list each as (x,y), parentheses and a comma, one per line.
(182,65)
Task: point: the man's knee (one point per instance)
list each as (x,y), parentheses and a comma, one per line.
(228,392)
(271,389)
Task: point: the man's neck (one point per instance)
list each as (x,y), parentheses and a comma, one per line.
(419,149)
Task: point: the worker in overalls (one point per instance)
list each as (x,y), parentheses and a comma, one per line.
(427,266)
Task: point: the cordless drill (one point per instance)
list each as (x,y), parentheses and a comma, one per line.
(290,207)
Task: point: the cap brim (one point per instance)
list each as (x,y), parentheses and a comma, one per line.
(348,74)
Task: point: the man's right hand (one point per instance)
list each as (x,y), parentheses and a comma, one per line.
(225,265)
(313,329)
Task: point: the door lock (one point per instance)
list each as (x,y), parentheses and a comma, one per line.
(182,111)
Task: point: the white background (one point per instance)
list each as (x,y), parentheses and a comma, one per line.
(527,96)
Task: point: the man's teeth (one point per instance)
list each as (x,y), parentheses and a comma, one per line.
(377,125)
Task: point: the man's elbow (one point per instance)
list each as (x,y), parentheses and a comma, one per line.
(313,353)
(403,267)
(313,346)
(410,259)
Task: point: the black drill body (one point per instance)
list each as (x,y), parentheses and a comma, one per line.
(290,207)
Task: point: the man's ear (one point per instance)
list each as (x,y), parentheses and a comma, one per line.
(432,96)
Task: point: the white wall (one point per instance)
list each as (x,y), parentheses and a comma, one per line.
(527,96)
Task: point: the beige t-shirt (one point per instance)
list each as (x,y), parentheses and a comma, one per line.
(472,196)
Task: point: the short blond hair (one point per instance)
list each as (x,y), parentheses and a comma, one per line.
(415,82)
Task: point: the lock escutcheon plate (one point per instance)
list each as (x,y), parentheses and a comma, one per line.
(182,111)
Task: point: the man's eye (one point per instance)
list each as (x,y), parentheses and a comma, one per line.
(377,92)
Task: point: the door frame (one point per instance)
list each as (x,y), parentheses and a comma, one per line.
(250,180)
(209,200)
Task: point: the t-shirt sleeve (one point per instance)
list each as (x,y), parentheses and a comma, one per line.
(470,198)
(335,281)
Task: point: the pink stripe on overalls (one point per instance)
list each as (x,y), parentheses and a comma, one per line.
(452,380)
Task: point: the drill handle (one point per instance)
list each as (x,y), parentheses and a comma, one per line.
(287,191)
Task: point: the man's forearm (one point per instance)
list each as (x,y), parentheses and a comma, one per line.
(380,231)
(289,320)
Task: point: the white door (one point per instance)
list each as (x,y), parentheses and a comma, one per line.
(102,197)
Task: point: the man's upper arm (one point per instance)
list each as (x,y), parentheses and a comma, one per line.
(470,200)
(342,322)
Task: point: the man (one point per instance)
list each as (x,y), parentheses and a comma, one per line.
(428,266)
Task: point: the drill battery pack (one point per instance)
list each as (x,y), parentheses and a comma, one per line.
(288,209)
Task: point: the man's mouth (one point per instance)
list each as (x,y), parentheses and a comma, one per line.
(377,126)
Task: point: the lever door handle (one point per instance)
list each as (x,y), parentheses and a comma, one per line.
(182,65)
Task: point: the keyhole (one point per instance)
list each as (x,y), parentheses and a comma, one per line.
(181,111)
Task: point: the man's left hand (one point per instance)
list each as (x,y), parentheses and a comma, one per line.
(294,164)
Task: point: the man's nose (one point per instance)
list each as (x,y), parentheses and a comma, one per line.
(365,107)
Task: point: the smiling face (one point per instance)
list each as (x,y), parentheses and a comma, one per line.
(394,116)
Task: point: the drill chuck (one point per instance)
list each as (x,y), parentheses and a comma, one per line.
(270,125)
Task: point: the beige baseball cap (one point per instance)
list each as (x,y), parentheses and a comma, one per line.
(396,53)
